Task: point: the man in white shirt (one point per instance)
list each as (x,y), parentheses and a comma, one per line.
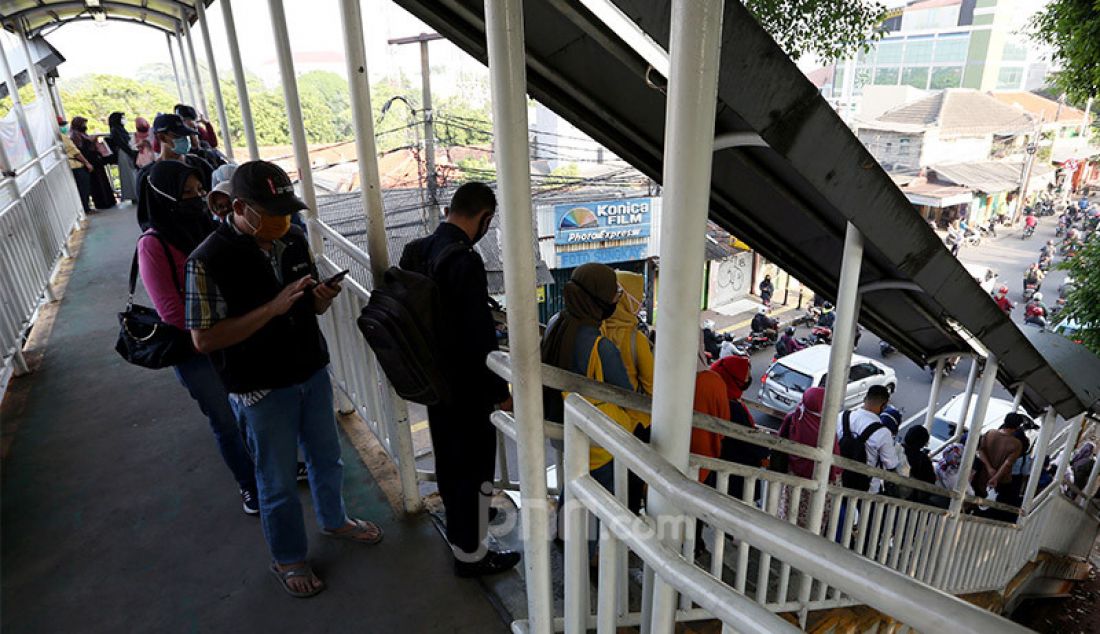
(880,444)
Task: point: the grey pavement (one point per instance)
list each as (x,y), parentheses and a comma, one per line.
(118,514)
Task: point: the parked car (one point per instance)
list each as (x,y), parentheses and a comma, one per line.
(947,418)
(787,378)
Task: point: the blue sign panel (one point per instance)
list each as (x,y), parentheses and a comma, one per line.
(605,231)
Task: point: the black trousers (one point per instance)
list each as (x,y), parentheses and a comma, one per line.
(465,447)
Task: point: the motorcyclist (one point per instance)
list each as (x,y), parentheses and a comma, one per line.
(1048,249)
(787,343)
(1033,275)
(710,340)
(762,323)
(827,317)
(1001,297)
(1036,311)
(1030,221)
(1066,288)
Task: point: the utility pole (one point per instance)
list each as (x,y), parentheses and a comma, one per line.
(429,127)
(1025,174)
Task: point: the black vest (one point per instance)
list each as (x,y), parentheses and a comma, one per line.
(288,349)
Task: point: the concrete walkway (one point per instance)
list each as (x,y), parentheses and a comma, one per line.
(119,515)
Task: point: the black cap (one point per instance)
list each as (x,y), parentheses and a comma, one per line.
(185,111)
(267,185)
(171,123)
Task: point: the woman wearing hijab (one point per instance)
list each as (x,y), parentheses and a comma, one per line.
(124,156)
(920,465)
(103,195)
(736,374)
(573,342)
(82,169)
(710,399)
(802,425)
(143,143)
(179,221)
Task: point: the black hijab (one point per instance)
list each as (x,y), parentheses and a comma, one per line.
(183,223)
(119,133)
(589,299)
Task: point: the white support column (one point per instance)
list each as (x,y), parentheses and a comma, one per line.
(355,54)
(294,118)
(201,106)
(32,70)
(695,45)
(219,103)
(970,450)
(20,115)
(57,104)
(1018,397)
(840,359)
(193,101)
(934,394)
(968,396)
(41,90)
(239,79)
(508,80)
(1067,451)
(1046,430)
(175,67)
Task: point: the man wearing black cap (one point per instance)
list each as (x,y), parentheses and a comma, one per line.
(197,122)
(252,302)
(175,145)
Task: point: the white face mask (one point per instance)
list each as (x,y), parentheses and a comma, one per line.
(633,304)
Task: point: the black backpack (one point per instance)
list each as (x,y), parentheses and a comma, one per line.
(855,448)
(401,324)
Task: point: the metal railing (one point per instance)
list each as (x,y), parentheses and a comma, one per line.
(864,580)
(35,227)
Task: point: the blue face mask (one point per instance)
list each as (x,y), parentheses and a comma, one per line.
(182,145)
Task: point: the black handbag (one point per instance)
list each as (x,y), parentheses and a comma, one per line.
(145,340)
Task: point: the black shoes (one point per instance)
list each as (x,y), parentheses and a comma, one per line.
(250,502)
(494,562)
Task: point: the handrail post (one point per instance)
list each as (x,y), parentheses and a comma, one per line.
(186,68)
(212,65)
(239,79)
(840,359)
(694,53)
(508,80)
(1046,430)
(577,580)
(355,54)
(175,67)
(1091,484)
(934,394)
(1018,397)
(202,107)
(294,119)
(20,114)
(1067,451)
(985,391)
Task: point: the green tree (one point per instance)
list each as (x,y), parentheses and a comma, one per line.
(830,29)
(97,96)
(332,90)
(1072,29)
(1083,304)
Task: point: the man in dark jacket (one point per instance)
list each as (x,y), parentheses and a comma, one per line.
(463,438)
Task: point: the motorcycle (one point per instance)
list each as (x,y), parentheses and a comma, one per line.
(885,349)
(824,334)
(972,239)
(949,366)
(759,340)
(1029,289)
(1044,263)
(1028,232)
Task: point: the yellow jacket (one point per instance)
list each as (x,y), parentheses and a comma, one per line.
(622,329)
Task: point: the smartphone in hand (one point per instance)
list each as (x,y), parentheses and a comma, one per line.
(335,279)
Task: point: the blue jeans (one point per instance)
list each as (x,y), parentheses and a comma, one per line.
(197,374)
(276,425)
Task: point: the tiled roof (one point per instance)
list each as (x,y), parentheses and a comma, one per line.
(959,111)
(1036,105)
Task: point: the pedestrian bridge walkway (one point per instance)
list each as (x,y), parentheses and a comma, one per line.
(119,515)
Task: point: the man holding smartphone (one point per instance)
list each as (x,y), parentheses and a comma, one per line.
(252,301)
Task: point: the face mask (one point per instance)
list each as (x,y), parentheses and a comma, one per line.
(64,129)
(270,227)
(191,206)
(483,228)
(182,145)
(633,304)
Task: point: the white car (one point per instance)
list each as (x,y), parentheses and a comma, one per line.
(947,418)
(787,378)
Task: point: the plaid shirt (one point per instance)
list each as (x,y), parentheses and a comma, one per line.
(204,305)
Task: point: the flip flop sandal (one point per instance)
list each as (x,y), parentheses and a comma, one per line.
(361,527)
(284,577)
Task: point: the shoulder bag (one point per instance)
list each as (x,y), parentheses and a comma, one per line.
(143,339)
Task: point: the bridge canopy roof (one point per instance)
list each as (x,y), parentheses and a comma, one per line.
(39,16)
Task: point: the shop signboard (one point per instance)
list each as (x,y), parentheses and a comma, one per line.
(605,231)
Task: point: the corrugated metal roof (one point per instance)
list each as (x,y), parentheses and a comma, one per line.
(990,177)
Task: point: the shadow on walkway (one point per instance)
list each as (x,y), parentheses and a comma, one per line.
(119,515)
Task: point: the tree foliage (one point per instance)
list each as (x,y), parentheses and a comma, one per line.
(1072,29)
(830,29)
(1083,304)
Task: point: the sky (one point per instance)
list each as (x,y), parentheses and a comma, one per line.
(316,39)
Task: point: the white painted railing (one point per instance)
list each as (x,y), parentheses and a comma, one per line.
(754,532)
(42,210)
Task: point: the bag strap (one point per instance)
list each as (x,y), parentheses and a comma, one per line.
(846,419)
(867,433)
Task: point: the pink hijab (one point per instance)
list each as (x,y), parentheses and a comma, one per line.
(803,425)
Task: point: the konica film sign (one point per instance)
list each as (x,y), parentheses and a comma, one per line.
(604,231)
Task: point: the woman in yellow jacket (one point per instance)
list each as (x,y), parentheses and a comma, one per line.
(622,329)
